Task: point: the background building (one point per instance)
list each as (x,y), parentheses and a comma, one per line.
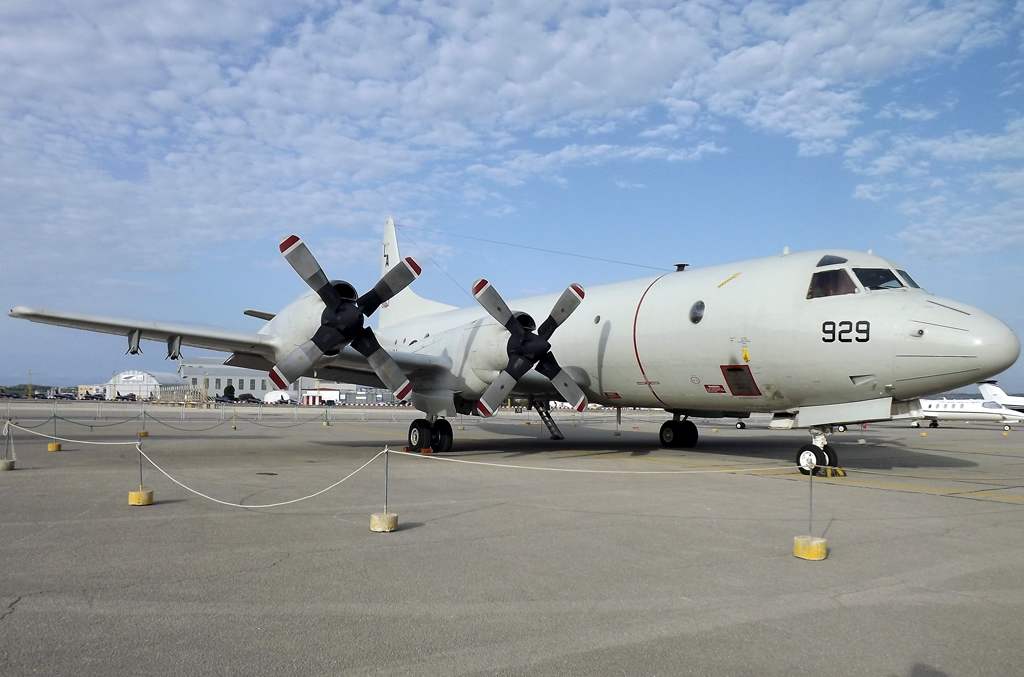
(210,376)
(145,385)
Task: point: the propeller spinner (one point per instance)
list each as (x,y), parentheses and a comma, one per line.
(528,349)
(342,321)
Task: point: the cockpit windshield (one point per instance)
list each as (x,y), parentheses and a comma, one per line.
(909,280)
(877,278)
(831,283)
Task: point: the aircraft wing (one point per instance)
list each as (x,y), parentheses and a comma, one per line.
(191,335)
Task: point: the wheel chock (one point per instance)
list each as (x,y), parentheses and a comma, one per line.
(810,548)
(829,471)
(143,433)
(383,522)
(325,424)
(53,446)
(6,464)
(924,433)
(426,451)
(140,496)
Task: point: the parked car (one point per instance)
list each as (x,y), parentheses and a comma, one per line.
(63,396)
(249,398)
(224,399)
(94,396)
(130,397)
(39,396)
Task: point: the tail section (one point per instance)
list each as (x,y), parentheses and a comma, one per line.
(407,304)
(990,391)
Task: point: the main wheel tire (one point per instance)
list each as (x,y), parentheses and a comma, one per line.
(915,424)
(688,435)
(740,425)
(833,456)
(840,428)
(810,457)
(1007,428)
(933,424)
(419,434)
(669,434)
(442,436)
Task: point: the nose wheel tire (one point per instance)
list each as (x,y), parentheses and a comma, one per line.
(840,428)
(740,425)
(811,459)
(1007,428)
(678,434)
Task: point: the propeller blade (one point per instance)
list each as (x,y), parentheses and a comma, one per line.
(564,384)
(496,393)
(382,363)
(297,254)
(568,302)
(394,281)
(301,360)
(295,364)
(488,297)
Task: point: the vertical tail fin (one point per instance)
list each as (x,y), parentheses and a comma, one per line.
(990,391)
(407,304)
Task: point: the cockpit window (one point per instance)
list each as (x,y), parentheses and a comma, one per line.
(831,283)
(909,280)
(878,278)
(830,260)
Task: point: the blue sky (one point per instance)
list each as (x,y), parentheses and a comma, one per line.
(153,154)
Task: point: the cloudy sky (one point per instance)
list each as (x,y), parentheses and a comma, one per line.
(153,154)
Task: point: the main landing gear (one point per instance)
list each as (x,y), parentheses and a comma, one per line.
(437,435)
(676,434)
(813,457)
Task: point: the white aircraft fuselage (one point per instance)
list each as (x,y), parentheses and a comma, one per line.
(633,343)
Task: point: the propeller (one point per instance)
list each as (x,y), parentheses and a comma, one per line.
(528,349)
(341,322)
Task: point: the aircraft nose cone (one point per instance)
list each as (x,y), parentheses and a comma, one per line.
(996,344)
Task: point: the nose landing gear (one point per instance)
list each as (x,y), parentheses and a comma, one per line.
(811,458)
(676,434)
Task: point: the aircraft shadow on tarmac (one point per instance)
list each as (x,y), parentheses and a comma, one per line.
(517,441)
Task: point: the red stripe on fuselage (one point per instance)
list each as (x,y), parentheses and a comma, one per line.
(636,351)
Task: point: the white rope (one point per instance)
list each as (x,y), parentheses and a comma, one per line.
(596,472)
(153,463)
(63,439)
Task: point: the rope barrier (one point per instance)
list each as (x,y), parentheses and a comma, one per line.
(99,425)
(595,472)
(186,430)
(184,486)
(62,439)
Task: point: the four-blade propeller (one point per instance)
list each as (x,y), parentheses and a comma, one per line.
(527,349)
(341,322)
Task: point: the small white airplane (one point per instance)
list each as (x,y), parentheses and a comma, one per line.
(934,411)
(992,392)
(815,338)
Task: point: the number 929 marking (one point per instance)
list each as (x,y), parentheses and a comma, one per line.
(846,331)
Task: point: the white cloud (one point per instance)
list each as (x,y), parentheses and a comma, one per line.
(141,127)
(892,111)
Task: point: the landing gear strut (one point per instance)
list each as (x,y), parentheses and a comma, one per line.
(813,457)
(437,435)
(676,434)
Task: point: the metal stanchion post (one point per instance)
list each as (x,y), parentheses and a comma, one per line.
(142,495)
(383,522)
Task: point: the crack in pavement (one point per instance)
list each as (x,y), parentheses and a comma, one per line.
(10,608)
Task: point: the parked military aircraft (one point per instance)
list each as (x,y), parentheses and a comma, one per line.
(815,338)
